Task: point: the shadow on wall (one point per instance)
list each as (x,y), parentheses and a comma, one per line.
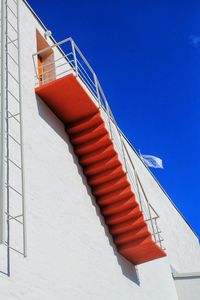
(128,269)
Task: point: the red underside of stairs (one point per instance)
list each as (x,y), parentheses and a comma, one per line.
(104,172)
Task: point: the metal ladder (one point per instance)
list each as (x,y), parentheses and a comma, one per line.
(15,219)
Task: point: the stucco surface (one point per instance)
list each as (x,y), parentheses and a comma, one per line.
(70,252)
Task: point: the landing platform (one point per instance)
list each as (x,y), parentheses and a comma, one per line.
(67,98)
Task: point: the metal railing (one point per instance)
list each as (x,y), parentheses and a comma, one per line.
(69,59)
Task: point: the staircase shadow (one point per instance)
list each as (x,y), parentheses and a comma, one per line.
(127,268)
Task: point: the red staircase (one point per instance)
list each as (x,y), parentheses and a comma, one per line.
(102,167)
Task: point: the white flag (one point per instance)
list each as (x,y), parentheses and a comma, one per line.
(152,161)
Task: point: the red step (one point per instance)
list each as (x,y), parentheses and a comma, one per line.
(116,207)
(131,224)
(115,196)
(86,123)
(132,235)
(131,213)
(107,175)
(110,186)
(102,165)
(99,154)
(88,135)
(95,144)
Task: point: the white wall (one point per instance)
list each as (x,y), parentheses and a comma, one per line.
(70,252)
(188,288)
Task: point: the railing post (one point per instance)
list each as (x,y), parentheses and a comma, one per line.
(74,55)
(138,183)
(108,114)
(36,71)
(97,89)
(151,220)
(123,153)
(149,209)
(159,239)
(138,190)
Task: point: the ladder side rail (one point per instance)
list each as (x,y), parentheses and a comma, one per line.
(21,139)
(3,97)
(7,242)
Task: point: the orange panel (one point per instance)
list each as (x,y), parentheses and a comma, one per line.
(102,167)
(39,70)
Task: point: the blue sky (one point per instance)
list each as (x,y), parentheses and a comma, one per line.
(147,57)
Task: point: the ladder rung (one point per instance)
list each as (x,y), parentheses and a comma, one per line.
(13,95)
(11,26)
(14,116)
(12,188)
(8,134)
(13,249)
(12,59)
(16,165)
(15,218)
(10,219)
(12,76)
(10,9)
(12,41)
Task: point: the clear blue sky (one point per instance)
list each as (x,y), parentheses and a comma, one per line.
(147,57)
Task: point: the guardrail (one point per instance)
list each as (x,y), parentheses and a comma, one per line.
(71,60)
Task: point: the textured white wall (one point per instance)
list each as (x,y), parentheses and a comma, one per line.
(188,288)
(70,252)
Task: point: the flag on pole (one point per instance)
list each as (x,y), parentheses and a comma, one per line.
(152,161)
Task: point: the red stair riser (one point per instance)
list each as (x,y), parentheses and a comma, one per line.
(114,197)
(101,165)
(127,225)
(131,236)
(137,243)
(79,126)
(92,138)
(118,206)
(123,216)
(82,151)
(95,156)
(97,128)
(98,158)
(89,136)
(85,149)
(114,184)
(106,176)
